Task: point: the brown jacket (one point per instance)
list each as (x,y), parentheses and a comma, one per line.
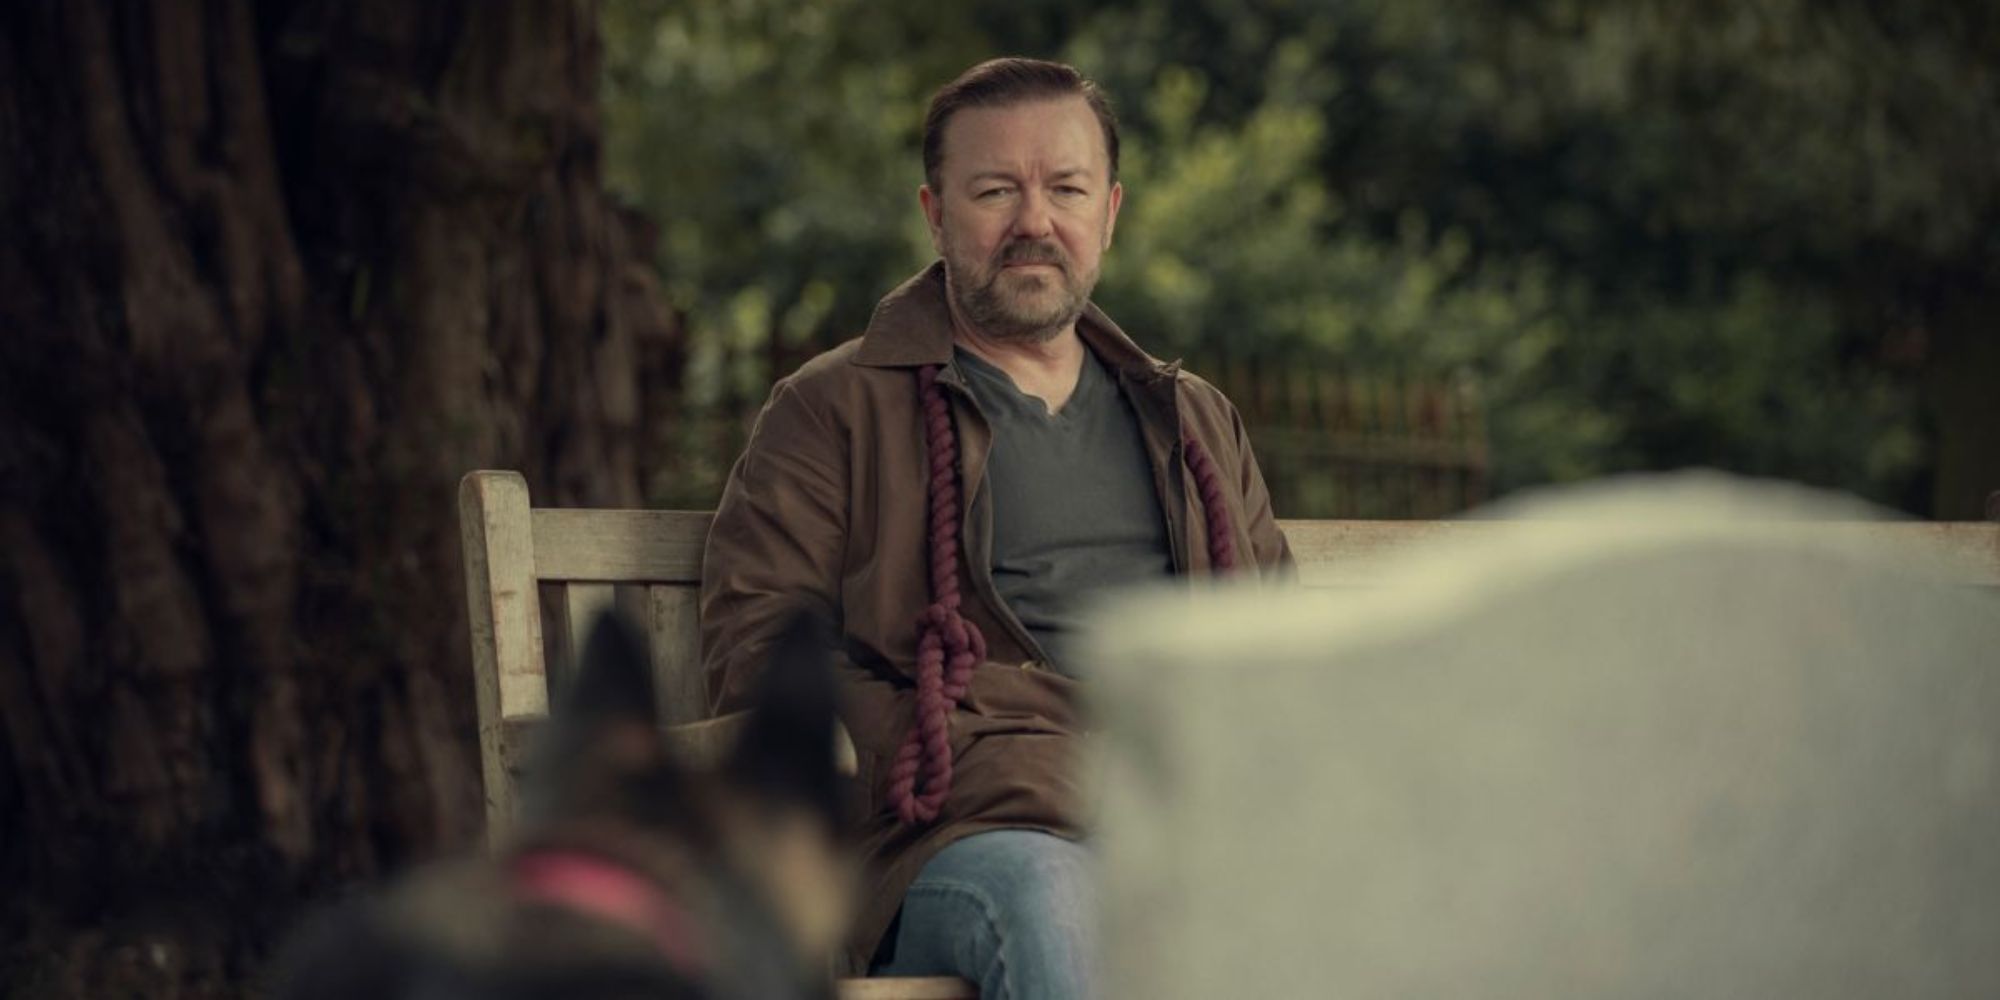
(827,509)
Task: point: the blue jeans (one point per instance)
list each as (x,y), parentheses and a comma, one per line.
(1014,911)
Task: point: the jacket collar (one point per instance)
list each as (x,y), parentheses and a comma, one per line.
(912,327)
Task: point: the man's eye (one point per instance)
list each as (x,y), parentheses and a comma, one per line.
(1070,192)
(989,193)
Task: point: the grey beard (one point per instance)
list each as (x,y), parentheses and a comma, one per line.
(986,308)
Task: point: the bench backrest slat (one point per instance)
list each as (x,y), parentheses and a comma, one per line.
(619,546)
(673,626)
(582,604)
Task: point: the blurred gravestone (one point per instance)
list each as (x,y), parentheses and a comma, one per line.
(1662,740)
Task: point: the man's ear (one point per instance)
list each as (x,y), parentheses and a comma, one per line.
(786,751)
(606,723)
(933,206)
(1117,199)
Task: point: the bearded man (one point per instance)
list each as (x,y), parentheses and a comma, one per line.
(952,487)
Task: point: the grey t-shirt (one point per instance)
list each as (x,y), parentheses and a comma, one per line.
(1074,507)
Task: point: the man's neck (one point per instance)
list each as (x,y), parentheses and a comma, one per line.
(1046,369)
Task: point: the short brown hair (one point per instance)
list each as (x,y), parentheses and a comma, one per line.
(1013,80)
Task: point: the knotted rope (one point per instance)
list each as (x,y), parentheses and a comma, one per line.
(1208,485)
(949,646)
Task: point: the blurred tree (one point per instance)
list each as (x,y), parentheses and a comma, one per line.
(278,273)
(1755,235)
(771,141)
(1778,209)
(1723,234)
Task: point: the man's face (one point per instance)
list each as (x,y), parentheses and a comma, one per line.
(1023,214)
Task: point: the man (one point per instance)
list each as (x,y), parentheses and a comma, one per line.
(951,487)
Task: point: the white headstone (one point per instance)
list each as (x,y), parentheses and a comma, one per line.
(1680,738)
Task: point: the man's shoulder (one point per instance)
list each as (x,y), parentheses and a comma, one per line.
(1208,410)
(828,367)
(1200,392)
(833,383)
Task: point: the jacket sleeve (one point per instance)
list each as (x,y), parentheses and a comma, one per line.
(777,542)
(1267,541)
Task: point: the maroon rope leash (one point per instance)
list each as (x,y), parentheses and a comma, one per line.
(949,646)
(1208,484)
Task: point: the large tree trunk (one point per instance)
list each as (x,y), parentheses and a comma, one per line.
(1964,391)
(275,275)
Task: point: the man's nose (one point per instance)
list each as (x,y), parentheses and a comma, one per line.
(1032,221)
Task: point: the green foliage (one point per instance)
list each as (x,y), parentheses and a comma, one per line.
(771,143)
(1656,234)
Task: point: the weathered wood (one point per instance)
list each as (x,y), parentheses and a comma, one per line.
(672,623)
(517,735)
(654,547)
(907,988)
(501,604)
(1344,553)
(620,546)
(1966,550)
(1333,553)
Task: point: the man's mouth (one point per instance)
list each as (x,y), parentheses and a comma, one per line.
(1024,257)
(1030,265)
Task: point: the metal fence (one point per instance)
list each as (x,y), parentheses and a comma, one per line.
(1341,444)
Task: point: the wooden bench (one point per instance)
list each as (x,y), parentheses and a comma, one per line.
(532,572)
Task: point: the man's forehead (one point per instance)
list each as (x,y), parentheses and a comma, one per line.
(1059,134)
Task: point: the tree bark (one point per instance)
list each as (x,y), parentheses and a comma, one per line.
(277,274)
(1964,397)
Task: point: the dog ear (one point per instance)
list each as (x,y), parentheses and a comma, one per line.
(603,729)
(614,681)
(786,752)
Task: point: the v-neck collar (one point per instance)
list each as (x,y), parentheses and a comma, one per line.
(1091,378)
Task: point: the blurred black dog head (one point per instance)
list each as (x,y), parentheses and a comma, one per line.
(634,876)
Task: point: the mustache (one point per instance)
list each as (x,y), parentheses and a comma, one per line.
(1033,253)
